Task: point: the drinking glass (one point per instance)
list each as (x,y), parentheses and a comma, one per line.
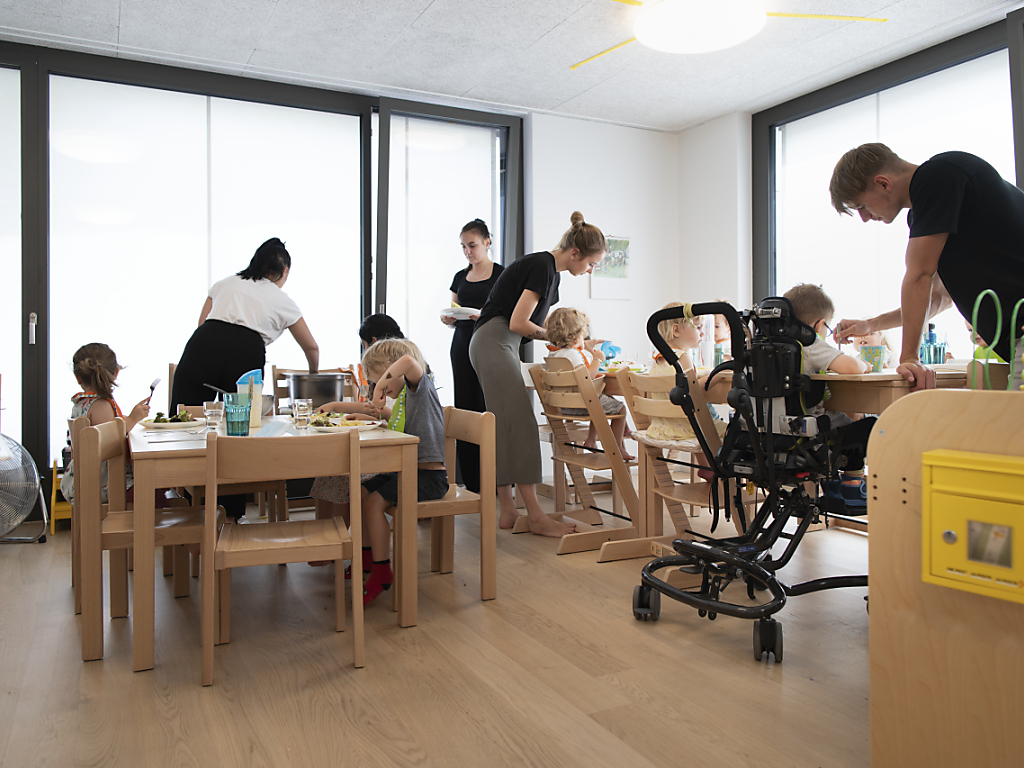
(236,412)
(302,412)
(214,412)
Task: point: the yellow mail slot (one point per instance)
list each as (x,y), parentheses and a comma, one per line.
(972,522)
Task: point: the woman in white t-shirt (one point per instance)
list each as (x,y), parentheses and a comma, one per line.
(242,314)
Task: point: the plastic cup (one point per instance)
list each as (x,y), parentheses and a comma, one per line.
(302,412)
(213,410)
(873,356)
(236,413)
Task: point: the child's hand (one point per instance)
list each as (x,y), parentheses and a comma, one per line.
(329,407)
(591,344)
(140,411)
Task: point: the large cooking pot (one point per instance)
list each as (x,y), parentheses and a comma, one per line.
(319,387)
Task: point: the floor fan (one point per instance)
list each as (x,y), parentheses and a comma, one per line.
(19,488)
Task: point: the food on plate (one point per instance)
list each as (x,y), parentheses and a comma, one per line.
(324,420)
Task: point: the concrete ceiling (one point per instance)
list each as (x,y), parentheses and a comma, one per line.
(504,55)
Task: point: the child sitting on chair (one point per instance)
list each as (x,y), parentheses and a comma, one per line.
(566,330)
(812,306)
(683,335)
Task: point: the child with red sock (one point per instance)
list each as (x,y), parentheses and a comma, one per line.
(399,371)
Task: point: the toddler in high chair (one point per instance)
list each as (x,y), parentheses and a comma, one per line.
(683,335)
(95,368)
(566,330)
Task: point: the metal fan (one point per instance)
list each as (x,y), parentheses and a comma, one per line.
(701,26)
(19,489)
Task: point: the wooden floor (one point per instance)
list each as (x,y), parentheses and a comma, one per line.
(555,672)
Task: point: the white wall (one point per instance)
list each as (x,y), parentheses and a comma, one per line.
(624,180)
(715,211)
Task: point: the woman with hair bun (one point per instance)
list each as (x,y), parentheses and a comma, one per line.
(471,287)
(516,310)
(242,314)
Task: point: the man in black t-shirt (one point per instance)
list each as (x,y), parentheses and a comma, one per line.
(966,236)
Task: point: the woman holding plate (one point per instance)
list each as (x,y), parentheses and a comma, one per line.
(471,287)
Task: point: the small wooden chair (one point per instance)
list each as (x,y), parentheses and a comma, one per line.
(112,529)
(476,428)
(647,397)
(233,460)
(575,389)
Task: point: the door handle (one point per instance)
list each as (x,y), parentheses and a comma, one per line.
(33,319)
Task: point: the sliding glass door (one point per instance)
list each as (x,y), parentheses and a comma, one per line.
(155,195)
(442,174)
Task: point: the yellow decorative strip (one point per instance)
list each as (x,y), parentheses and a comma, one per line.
(629,2)
(576,66)
(820,16)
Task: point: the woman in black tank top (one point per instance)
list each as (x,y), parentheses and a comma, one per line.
(470,288)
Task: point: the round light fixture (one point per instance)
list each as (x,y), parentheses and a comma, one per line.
(698,26)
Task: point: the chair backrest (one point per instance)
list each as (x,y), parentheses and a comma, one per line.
(998,374)
(171,368)
(75,427)
(95,445)
(557,389)
(647,395)
(470,427)
(249,459)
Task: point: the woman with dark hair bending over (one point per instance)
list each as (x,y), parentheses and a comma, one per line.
(242,314)
(516,310)
(471,287)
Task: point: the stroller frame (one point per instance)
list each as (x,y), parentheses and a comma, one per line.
(767,378)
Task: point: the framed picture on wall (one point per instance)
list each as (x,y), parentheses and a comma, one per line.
(610,278)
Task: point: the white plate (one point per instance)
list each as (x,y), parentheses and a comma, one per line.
(459,313)
(149,425)
(342,427)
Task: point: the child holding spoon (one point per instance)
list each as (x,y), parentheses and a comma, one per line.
(95,367)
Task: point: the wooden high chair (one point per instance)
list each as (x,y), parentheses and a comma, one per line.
(656,484)
(574,388)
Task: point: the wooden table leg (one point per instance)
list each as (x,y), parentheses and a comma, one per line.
(143,587)
(407,539)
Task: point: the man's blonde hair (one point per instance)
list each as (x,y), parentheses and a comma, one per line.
(382,354)
(565,325)
(856,169)
(810,303)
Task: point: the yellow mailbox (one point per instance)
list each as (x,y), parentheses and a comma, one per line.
(972,518)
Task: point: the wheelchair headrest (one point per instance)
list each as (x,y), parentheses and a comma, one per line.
(777,320)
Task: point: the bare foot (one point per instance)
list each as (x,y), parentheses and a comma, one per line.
(545,526)
(507,520)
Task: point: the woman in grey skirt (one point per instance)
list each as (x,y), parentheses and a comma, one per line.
(516,310)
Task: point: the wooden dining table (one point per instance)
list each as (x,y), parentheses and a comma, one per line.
(874,392)
(171,459)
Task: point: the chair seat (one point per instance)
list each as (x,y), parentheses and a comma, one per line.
(687,493)
(458,501)
(177,525)
(276,543)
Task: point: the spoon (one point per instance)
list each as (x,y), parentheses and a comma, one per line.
(217,389)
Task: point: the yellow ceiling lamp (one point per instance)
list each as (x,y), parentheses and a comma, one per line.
(702,26)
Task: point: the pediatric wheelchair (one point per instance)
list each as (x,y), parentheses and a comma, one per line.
(771,443)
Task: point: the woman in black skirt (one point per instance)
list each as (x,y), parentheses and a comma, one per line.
(242,314)
(470,287)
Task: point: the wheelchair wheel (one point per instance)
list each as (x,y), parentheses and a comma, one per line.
(768,639)
(646,603)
